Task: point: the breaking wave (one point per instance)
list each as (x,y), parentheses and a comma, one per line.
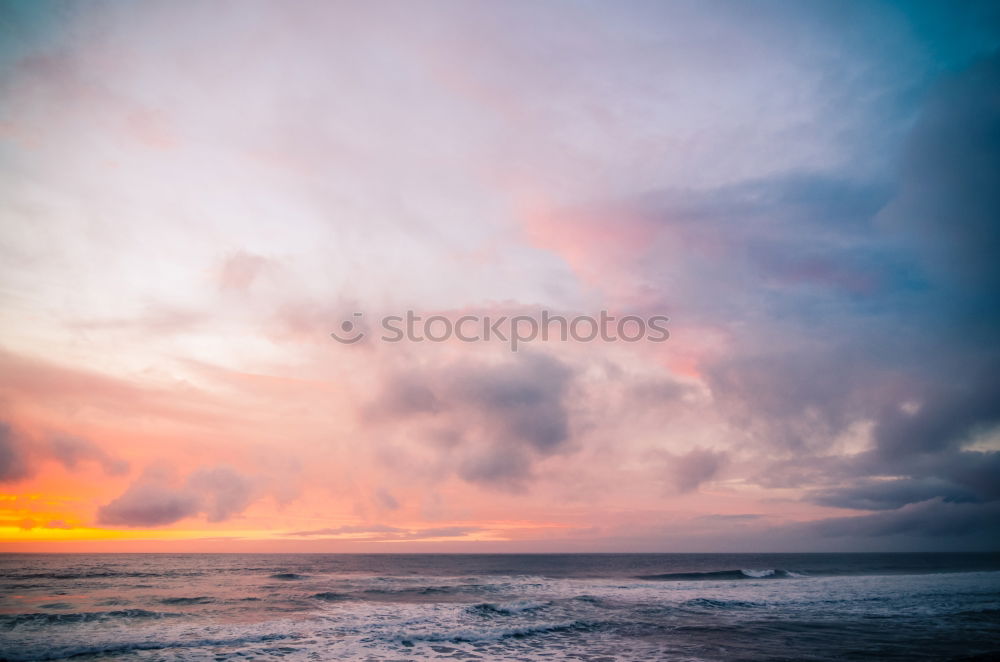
(475,635)
(489,609)
(14,620)
(62,652)
(722,575)
(200,600)
(330,596)
(709,603)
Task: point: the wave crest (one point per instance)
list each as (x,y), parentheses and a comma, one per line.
(489,609)
(724,575)
(13,620)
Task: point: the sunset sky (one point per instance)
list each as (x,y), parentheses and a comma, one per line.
(193,195)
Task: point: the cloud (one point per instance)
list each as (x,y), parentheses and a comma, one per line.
(378,532)
(57,524)
(521,401)
(348,529)
(70,451)
(225,492)
(948,202)
(953,476)
(149,504)
(945,210)
(891,494)
(21,456)
(29,524)
(385,499)
(778,243)
(239,270)
(686,473)
(934,518)
(155,499)
(922,370)
(951,410)
(14,462)
(490,422)
(45,383)
(404,395)
(153,320)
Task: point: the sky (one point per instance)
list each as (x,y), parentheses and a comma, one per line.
(194,195)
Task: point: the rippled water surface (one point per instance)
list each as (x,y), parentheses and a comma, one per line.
(530,607)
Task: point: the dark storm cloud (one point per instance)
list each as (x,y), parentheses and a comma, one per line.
(155,500)
(934,518)
(948,210)
(948,201)
(954,476)
(929,373)
(892,494)
(949,413)
(976,471)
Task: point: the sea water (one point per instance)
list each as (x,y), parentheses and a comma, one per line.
(688,607)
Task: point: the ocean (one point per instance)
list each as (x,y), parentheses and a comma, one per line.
(684,607)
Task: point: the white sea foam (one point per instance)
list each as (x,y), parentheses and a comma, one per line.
(323,615)
(759,574)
